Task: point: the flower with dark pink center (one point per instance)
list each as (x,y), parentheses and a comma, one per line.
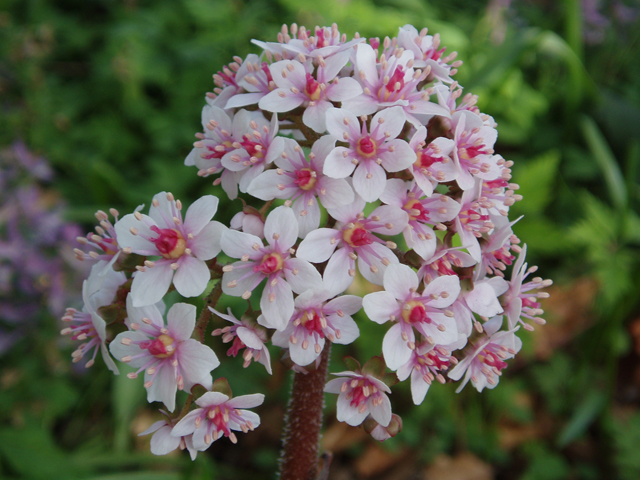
(169,358)
(273,262)
(183,246)
(360,395)
(425,312)
(354,237)
(372,151)
(314,321)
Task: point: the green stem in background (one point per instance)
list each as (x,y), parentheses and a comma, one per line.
(303,423)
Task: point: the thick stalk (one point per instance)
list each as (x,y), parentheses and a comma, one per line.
(304,420)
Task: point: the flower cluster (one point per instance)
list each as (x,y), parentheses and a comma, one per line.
(376,138)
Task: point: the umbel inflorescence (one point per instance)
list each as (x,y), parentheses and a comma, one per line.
(379,136)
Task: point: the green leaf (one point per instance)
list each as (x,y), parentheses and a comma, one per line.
(606,161)
(537,179)
(34,455)
(127,394)
(375,367)
(583,417)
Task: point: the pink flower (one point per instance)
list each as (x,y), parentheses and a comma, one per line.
(324,43)
(183,247)
(400,303)
(297,87)
(496,254)
(427,52)
(354,234)
(473,153)
(170,359)
(433,163)
(315,319)
(360,395)
(217,416)
(244,335)
(162,442)
(273,262)
(422,212)
(257,147)
(373,152)
(389,82)
(248,220)
(255,77)
(98,291)
(425,365)
(471,223)
(443,261)
(104,241)
(519,301)
(303,181)
(485,361)
(221,132)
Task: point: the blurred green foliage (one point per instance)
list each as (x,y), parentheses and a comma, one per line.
(111,92)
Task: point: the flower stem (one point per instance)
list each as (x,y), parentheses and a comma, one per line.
(304,421)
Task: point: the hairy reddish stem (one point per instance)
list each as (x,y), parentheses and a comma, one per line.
(304,421)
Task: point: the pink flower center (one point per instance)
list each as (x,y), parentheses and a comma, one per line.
(416,211)
(254,149)
(271,262)
(217,416)
(311,321)
(393,86)
(367,147)
(218,153)
(424,160)
(306,178)
(357,236)
(236,346)
(312,88)
(161,347)
(491,359)
(170,243)
(362,390)
(414,312)
(267,72)
(432,360)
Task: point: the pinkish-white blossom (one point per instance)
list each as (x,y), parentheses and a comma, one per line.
(104,242)
(246,336)
(360,395)
(443,261)
(425,312)
(485,359)
(353,238)
(426,364)
(303,182)
(273,262)
(473,152)
(519,300)
(433,163)
(170,359)
(427,52)
(391,81)
(162,442)
(298,87)
(372,153)
(422,212)
(249,220)
(314,320)
(183,246)
(217,416)
(471,223)
(98,291)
